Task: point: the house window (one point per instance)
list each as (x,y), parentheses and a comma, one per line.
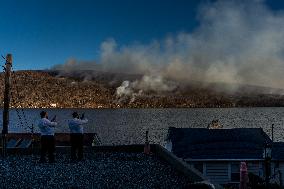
(198,166)
(235,172)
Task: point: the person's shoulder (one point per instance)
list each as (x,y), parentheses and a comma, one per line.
(44,119)
(72,120)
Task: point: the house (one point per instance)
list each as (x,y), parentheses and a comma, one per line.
(217,153)
(278,161)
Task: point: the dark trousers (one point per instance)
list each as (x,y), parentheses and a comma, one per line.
(47,146)
(76,140)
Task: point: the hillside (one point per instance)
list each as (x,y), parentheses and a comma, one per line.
(39,89)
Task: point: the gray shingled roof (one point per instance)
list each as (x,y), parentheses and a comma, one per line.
(202,143)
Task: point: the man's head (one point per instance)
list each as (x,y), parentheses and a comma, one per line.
(43,114)
(75,115)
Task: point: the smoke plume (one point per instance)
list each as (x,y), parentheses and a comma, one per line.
(138,87)
(240,42)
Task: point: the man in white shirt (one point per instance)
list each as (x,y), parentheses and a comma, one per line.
(47,140)
(76,135)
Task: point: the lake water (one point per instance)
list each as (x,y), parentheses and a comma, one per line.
(127,126)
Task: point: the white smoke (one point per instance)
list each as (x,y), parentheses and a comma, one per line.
(138,87)
(124,90)
(237,41)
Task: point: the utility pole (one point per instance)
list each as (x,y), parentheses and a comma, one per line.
(7,96)
(272,132)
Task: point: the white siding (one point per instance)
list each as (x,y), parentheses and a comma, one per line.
(217,172)
(221,172)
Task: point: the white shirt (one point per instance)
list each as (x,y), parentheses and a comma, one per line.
(75,125)
(46,127)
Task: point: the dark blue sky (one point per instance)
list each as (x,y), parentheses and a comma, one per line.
(41,33)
